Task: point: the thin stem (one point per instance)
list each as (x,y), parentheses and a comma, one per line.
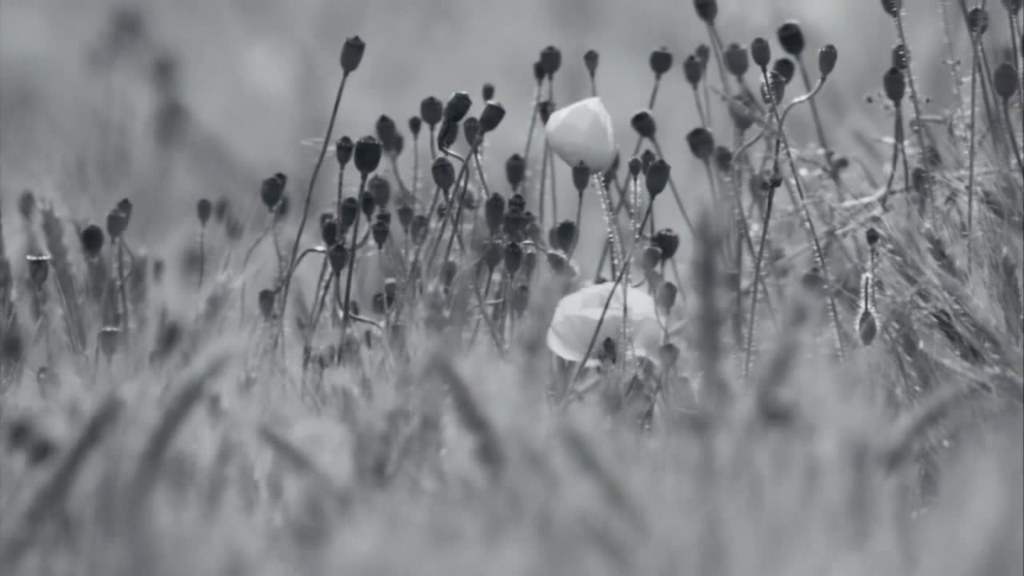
(970,159)
(918,127)
(757,274)
(346,312)
(1013,138)
(202,254)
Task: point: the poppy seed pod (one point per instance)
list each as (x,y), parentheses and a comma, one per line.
(447,134)
(580,177)
(387,132)
(538,72)
(791,37)
(515,170)
(92,240)
(513,257)
(367,155)
(418,229)
(352,54)
(693,70)
(737,61)
(660,61)
(517,204)
(775,89)
(545,109)
(761,52)
(872,236)
(272,190)
(590,60)
(564,236)
(723,159)
(665,296)
(492,116)
(349,212)
(977,21)
(785,68)
(827,58)
(338,257)
(643,123)
(657,177)
(494,251)
(116,223)
(550,60)
(1012,6)
(368,205)
(646,158)
(380,191)
(1005,81)
(343,150)
(892,7)
(635,166)
(471,130)
(707,10)
(895,85)
(415,124)
(431,111)
(668,241)
(38,269)
(494,211)
(329,231)
(900,57)
(582,132)
(457,107)
(702,143)
(443,172)
(266,302)
(487,91)
(380,231)
(125,206)
(405,213)
(203,210)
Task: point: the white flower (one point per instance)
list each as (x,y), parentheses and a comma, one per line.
(582,132)
(577,315)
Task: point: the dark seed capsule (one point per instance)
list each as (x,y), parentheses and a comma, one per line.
(116,223)
(660,61)
(494,211)
(590,60)
(538,72)
(513,257)
(367,155)
(272,190)
(580,177)
(657,177)
(330,232)
(515,170)
(387,133)
(892,7)
(487,91)
(1005,81)
(418,229)
(565,235)
(405,216)
(761,52)
(646,159)
(665,296)
(125,206)
(92,240)
(635,166)
(203,210)
(493,253)
(517,203)
(895,85)
(900,57)
(349,212)
(108,339)
(266,302)
(38,269)
(644,124)
(701,142)
(352,54)
(723,159)
(668,241)
(707,10)
(867,327)
(380,231)
(872,236)
(443,172)
(827,58)
(491,116)
(791,37)
(457,107)
(737,60)
(545,109)
(337,256)
(774,90)
(431,110)
(368,205)
(550,60)
(693,70)
(785,68)
(651,257)
(380,191)
(977,21)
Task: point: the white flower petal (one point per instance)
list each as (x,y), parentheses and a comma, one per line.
(582,132)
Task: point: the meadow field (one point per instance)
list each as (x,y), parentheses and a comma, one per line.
(512,287)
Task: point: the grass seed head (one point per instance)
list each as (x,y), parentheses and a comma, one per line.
(660,61)
(352,54)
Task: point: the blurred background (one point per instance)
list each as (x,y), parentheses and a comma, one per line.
(167,102)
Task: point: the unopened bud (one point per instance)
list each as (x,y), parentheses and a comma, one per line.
(367,155)
(660,61)
(657,177)
(352,54)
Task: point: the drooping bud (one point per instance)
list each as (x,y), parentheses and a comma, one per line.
(580,177)
(737,61)
(644,124)
(343,151)
(657,177)
(491,116)
(367,155)
(668,241)
(792,38)
(895,85)
(702,143)
(827,57)
(550,60)
(761,52)
(443,172)
(660,61)
(431,110)
(352,54)
(693,70)
(92,240)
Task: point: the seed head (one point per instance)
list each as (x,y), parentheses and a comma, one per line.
(487,91)
(644,124)
(668,241)
(545,109)
(977,21)
(827,58)
(330,232)
(92,240)
(580,177)
(380,231)
(431,110)
(1012,6)
(657,177)
(443,172)
(761,52)
(892,7)
(352,54)
(471,130)
(1005,81)
(494,211)
(590,60)
(702,143)
(116,223)
(457,107)
(741,112)
(636,165)
(723,159)
(693,70)
(419,228)
(660,61)
(737,61)
(707,10)
(349,212)
(38,268)
(785,68)
(517,204)
(387,133)
(791,37)
(203,210)
(367,155)
(343,151)
(266,302)
(550,60)
(895,85)
(515,170)
(494,251)
(492,116)
(125,206)
(380,191)
(337,256)
(272,190)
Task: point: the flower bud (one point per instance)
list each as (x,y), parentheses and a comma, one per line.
(693,70)
(895,85)
(337,256)
(343,150)
(443,172)
(644,124)
(785,68)
(550,60)
(266,302)
(580,177)
(352,54)
(380,231)
(349,212)
(491,116)
(471,130)
(660,61)
(590,60)
(582,132)
(792,38)
(513,257)
(116,223)
(565,235)
(387,132)
(668,241)
(761,52)
(431,110)
(330,233)
(702,143)
(1005,81)
(92,240)
(380,191)
(657,177)
(737,61)
(892,7)
(457,107)
(419,228)
(367,155)
(827,57)
(707,10)
(203,210)
(515,170)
